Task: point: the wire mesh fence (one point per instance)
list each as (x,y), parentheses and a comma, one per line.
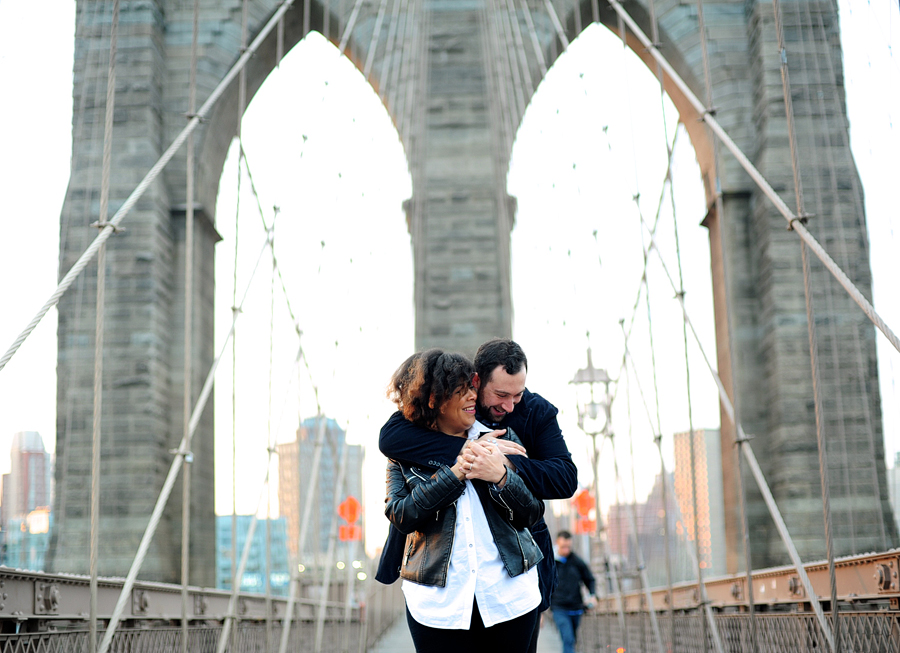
(860,632)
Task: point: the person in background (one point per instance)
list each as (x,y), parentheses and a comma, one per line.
(566,602)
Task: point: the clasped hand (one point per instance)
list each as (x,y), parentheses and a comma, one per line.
(485,458)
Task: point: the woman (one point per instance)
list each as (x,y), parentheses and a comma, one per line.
(469,561)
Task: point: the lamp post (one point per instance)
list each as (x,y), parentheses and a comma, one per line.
(594,422)
(594,419)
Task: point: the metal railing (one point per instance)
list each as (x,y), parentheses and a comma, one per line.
(47,613)
(861,632)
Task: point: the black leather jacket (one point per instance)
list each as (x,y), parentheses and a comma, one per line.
(421,504)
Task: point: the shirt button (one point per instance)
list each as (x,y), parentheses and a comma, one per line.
(473,571)
(470,546)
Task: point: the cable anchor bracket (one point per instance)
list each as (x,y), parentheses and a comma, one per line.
(102,225)
(803,218)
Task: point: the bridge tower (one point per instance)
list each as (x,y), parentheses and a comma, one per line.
(456,76)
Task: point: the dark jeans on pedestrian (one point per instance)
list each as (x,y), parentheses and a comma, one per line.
(567,624)
(512,636)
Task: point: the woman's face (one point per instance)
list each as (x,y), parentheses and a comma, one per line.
(458,412)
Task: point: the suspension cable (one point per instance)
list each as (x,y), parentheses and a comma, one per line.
(654,32)
(376,37)
(504,40)
(86,17)
(99,330)
(532,32)
(521,57)
(145,183)
(239,136)
(231,612)
(389,49)
(560,32)
(838,214)
(180,455)
(188,340)
(752,463)
(811,330)
(793,220)
(642,568)
(304,525)
(503,114)
(270,441)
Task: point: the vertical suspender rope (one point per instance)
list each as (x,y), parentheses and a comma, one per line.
(521,58)
(753,464)
(270,444)
(231,611)
(389,50)
(376,37)
(560,32)
(188,340)
(864,393)
(393,84)
(242,99)
(99,325)
(811,331)
(642,568)
(85,18)
(503,113)
(720,219)
(304,525)
(174,469)
(332,538)
(511,60)
(535,44)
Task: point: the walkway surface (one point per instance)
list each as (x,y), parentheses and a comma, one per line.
(397,639)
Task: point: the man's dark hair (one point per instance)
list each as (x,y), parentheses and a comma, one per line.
(499,351)
(566,535)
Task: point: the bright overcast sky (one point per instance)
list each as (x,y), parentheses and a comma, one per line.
(323,149)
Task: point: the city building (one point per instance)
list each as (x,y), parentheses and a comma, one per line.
(25,503)
(295,469)
(254,578)
(710,505)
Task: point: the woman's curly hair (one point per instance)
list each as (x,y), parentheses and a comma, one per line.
(424,381)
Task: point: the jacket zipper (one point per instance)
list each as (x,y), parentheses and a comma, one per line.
(505,505)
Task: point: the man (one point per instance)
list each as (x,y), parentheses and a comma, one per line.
(566,603)
(503,402)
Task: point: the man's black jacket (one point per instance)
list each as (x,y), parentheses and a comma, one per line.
(572,574)
(548,471)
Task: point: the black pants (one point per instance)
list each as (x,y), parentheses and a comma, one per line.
(512,636)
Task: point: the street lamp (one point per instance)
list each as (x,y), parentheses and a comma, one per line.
(594,405)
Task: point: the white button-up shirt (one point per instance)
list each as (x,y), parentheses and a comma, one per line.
(476,573)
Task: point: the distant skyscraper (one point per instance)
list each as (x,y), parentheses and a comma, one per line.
(25,504)
(27,486)
(254,578)
(710,506)
(295,461)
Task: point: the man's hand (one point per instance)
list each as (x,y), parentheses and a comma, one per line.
(505,447)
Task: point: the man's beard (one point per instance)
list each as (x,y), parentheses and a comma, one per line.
(485,415)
